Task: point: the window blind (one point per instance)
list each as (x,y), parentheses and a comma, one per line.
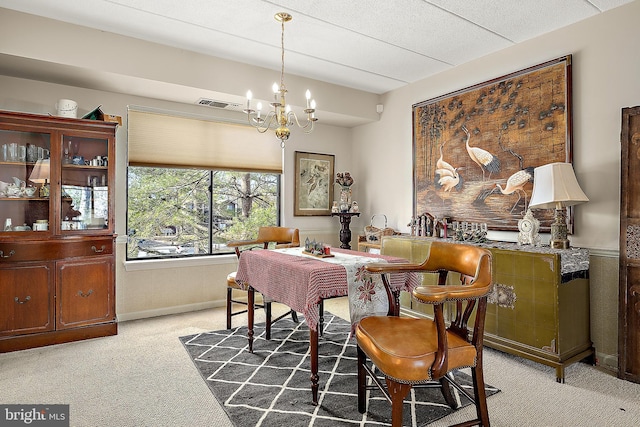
(165,140)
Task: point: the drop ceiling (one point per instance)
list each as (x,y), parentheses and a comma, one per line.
(374,46)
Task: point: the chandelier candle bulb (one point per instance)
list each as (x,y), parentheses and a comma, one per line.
(308,96)
(249,96)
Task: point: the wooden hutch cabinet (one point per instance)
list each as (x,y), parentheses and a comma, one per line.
(57,241)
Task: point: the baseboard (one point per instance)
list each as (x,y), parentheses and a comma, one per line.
(608,362)
(176,309)
(23,342)
(604,253)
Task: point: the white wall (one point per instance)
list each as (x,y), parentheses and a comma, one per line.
(145,289)
(606,78)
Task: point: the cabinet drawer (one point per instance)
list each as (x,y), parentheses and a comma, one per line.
(85,248)
(54,249)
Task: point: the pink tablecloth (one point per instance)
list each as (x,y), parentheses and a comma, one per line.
(302,282)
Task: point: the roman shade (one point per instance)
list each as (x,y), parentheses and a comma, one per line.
(165,140)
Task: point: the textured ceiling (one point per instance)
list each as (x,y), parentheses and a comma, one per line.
(374,45)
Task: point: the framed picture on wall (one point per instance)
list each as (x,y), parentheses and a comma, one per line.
(475,149)
(313,184)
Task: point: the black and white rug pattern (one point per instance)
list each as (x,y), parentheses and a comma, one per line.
(271,387)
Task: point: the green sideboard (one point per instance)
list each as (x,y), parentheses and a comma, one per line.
(539,308)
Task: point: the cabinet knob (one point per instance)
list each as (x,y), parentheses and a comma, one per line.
(634,291)
(27,299)
(11,252)
(83,295)
(96,250)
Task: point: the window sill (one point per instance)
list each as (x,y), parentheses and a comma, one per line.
(157,264)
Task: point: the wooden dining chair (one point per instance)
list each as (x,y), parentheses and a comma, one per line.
(414,352)
(274,237)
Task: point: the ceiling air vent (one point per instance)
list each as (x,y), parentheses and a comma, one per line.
(223,105)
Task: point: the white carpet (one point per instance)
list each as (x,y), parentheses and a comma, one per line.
(143,377)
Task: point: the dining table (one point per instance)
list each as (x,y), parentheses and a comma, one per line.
(302,281)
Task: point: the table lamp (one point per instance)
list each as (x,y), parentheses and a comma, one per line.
(555,186)
(40,175)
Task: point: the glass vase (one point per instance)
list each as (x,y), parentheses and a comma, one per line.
(345,199)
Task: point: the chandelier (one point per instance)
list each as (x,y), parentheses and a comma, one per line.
(281,116)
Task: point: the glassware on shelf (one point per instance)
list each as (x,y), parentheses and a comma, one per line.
(13,152)
(32,153)
(67,157)
(85,192)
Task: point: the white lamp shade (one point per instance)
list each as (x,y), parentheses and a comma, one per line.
(40,173)
(555,186)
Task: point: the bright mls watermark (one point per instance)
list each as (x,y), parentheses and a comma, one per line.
(34,415)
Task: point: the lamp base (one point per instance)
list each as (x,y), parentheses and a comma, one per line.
(559,244)
(44,190)
(559,231)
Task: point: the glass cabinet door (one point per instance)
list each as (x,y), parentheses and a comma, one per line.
(84,177)
(24,181)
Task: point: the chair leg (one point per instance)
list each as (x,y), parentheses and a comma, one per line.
(267,310)
(446,392)
(480,395)
(321,320)
(397,392)
(362,382)
(229,290)
(294,316)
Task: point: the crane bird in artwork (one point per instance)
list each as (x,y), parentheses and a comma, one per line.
(442,167)
(448,175)
(516,183)
(450,179)
(487,161)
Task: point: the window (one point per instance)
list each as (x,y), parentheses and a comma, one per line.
(195,183)
(174,212)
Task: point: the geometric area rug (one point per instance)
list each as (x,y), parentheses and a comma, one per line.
(271,387)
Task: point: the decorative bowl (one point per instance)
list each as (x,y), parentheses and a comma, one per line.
(13,191)
(30,191)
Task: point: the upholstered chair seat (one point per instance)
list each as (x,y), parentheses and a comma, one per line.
(410,362)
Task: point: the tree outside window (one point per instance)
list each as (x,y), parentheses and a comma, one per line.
(188,212)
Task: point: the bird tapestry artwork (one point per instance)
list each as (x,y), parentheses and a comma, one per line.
(313,184)
(475,150)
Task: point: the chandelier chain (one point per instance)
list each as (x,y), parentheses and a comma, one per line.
(282,55)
